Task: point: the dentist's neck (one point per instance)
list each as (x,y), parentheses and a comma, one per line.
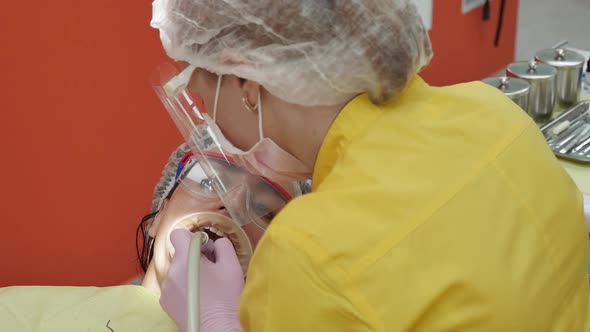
(300,130)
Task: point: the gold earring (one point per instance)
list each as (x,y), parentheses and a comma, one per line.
(252,108)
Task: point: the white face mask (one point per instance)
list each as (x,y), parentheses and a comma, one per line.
(265,158)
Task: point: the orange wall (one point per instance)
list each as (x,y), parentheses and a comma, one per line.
(464,44)
(84,138)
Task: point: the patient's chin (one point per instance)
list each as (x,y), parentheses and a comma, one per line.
(150,280)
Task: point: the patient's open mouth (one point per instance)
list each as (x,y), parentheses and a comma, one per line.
(216,226)
(213,233)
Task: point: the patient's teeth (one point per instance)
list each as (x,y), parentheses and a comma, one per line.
(214,230)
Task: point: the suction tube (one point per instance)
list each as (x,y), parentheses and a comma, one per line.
(200,240)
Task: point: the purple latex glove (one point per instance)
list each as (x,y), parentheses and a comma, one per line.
(221,284)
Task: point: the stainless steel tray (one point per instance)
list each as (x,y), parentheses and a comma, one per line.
(578,117)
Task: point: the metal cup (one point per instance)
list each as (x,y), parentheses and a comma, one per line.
(541,78)
(569,66)
(513,88)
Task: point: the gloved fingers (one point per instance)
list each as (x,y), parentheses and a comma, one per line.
(173,307)
(181,239)
(206,262)
(225,254)
(168,299)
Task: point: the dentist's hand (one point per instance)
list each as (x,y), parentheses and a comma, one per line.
(221,284)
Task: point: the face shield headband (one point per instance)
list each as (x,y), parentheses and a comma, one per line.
(215,172)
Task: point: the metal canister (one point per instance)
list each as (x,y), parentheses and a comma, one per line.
(541,78)
(514,88)
(569,65)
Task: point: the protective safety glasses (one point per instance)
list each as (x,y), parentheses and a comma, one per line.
(259,200)
(248,198)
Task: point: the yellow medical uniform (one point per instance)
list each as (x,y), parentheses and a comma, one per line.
(443,210)
(82,309)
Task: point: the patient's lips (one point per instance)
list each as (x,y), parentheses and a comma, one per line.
(216,225)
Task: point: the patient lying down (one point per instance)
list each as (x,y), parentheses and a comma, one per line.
(184,198)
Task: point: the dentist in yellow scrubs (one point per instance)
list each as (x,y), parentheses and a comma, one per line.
(432,209)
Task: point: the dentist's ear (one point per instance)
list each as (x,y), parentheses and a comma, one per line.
(250,91)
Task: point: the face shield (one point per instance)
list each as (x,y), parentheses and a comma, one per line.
(194,204)
(217,175)
(253,198)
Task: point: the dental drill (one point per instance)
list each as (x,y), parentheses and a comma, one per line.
(200,244)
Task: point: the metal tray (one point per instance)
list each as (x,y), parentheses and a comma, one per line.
(579,118)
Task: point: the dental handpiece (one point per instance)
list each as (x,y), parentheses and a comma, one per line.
(208,249)
(199,242)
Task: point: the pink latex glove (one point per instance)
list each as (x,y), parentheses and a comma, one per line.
(221,284)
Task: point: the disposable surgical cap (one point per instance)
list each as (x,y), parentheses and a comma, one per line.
(168,177)
(307,52)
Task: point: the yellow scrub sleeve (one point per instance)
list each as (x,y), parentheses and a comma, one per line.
(443,210)
(82,309)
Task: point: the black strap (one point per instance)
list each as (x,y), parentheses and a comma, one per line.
(500,23)
(486,11)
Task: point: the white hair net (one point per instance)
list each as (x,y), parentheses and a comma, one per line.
(308,52)
(168,177)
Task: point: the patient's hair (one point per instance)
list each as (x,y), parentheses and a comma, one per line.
(163,190)
(143,242)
